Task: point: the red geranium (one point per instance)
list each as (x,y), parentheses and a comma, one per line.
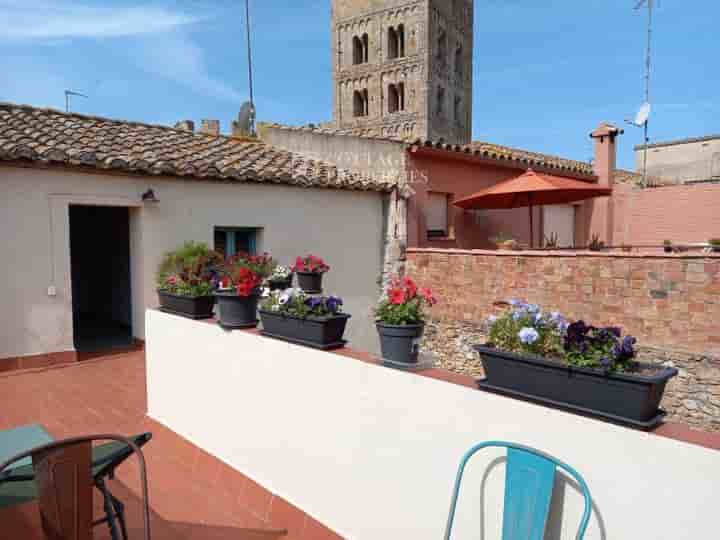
(310,263)
(396,296)
(246,281)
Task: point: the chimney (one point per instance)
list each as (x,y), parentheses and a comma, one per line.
(210,127)
(185,125)
(605,152)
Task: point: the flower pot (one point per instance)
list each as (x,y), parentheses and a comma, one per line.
(319,332)
(628,398)
(400,343)
(280,284)
(310,282)
(236,311)
(192,307)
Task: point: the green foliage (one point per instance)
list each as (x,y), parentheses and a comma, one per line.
(714,242)
(542,333)
(552,240)
(501,238)
(595,243)
(403,303)
(296,303)
(525,329)
(188,270)
(408,313)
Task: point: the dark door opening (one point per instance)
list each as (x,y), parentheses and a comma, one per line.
(100,273)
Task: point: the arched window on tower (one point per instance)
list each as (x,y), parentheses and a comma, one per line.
(401,40)
(396,98)
(392,43)
(441,49)
(360,103)
(459,61)
(458,112)
(440,102)
(366,48)
(357,50)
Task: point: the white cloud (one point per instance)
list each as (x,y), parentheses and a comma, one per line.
(175,57)
(57,20)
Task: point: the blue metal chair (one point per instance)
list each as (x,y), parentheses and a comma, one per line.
(529,481)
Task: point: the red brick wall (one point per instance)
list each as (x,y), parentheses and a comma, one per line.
(665,301)
(683,214)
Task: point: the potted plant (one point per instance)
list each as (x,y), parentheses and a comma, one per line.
(667,246)
(280,279)
(295,316)
(714,244)
(401,320)
(504,242)
(310,270)
(596,244)
(541,356)
(237,296)
(186,280)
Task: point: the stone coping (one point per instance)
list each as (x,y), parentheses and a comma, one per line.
(671,430)
(561,253)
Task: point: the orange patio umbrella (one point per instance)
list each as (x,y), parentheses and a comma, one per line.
(532,189)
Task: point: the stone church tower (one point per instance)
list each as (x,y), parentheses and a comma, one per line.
(403,68)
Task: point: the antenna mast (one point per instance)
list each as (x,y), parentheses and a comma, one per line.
(648,66)
(69,93)
(249,50)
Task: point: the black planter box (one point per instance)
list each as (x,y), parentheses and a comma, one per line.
(622,397)
(192,307)
(235,312)
(316,332)
(310,282)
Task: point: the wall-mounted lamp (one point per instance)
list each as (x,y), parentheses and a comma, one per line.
(149,197)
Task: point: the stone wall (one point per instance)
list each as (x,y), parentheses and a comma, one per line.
(670,303)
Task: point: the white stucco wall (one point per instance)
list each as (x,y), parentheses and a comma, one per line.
(372,452)
(344,227)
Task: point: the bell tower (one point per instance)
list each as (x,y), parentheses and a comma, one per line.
(403,68)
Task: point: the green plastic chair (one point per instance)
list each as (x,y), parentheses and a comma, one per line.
(529,481)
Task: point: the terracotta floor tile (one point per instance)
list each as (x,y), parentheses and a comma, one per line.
(192,494)
(287,516)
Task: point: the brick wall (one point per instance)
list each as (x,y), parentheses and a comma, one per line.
(668,301)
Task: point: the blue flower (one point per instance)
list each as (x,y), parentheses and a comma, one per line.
(606,363)
(334,303)
(532,308)
(313,302)
(528,336)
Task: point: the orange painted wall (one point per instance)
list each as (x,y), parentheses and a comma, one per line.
(462,178)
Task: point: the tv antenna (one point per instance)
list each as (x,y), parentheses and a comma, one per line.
(69,93)
(251,125)
(643,115)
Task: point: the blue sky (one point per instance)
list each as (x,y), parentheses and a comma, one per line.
(545,72)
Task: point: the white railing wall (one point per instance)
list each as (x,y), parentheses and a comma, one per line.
(372,452)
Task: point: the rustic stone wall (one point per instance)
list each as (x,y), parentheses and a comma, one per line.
(692,398)
(670,303)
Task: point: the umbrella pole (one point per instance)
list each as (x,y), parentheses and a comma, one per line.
(530,207)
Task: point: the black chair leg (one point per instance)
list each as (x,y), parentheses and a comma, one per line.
(120,513)
(109,508)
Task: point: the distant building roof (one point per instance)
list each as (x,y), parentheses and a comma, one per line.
(679,141)
(48,136)
(487,150)
(524,158)
(634,178)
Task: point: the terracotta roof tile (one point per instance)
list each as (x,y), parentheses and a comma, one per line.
(478,148)
(525,158)
(46,136)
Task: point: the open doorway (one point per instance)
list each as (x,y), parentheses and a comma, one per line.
(100,273)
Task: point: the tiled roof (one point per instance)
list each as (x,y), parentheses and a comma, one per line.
(322,130)
(525,158)
(633,178)
(487,150)
(688,140)
(48,136)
